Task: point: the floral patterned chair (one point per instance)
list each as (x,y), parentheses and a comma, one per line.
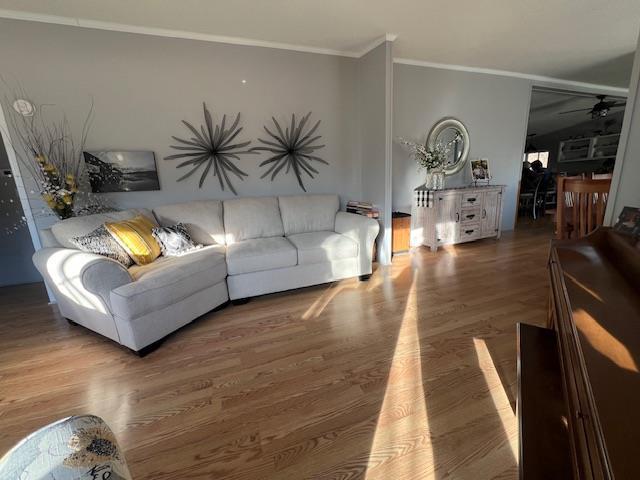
(74,448)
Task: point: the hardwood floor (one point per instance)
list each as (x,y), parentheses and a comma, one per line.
(408,376)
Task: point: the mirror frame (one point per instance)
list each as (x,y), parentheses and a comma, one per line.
(450,122)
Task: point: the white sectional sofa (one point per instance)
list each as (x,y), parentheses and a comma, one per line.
(252,246)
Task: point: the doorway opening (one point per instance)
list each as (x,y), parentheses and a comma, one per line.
(570,135)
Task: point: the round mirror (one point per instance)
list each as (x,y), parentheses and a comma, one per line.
(452,135)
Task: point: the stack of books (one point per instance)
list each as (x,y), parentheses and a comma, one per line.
(363,208)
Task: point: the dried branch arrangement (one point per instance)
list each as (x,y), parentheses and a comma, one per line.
(49,152)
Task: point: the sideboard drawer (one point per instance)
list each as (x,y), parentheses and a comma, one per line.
(469,232)
(471,199)
(470,215)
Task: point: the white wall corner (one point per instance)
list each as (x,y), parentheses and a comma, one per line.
(632,110)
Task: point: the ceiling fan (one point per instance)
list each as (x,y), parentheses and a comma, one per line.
(600,109)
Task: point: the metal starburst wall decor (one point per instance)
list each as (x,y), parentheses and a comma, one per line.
(211,147)
(293,148)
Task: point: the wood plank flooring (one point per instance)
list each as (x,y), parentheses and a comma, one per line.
(408,376)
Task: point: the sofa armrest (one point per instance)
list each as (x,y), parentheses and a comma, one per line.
(78,277)
(362,230)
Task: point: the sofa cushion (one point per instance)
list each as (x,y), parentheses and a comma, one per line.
(168,280)
(67,229)
(101,242)
(136,237)
(319,247)
(174,240)
(246,218)
(260,254)
(203,219)
(308,213)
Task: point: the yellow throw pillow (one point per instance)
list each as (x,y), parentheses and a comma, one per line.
(135,236)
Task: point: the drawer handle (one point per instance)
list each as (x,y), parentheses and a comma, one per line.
(471,216)
(484,213)
(469,232)
(457,217)
(472,199)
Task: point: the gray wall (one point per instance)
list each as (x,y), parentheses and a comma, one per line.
(143,86)
(494,109)
(626,176)
(374,120)
(15,245)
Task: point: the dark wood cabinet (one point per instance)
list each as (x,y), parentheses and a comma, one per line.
(594,313)
(401,232)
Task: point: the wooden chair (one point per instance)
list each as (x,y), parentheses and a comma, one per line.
(581,206)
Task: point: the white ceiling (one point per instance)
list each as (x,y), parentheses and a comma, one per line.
(546,111)
(584,40)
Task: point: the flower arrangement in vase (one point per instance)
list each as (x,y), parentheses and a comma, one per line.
(430,160)
(50,153)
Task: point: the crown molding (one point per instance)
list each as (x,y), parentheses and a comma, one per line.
(389,37)
(163,32)
(535,79)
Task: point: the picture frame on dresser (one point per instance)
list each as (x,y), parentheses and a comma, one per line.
(480,173)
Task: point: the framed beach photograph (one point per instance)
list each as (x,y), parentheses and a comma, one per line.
(480,170)
(122,171)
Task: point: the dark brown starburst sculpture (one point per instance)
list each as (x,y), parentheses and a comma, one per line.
(211,148)
(292,148)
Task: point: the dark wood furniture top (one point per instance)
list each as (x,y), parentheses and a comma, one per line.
(544,454)
(595,310)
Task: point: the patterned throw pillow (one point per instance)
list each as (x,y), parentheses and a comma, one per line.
(175,240)
(101,242)
(134,235)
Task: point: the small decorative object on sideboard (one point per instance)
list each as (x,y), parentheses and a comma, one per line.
(363,208)
(431,160)
(480,171)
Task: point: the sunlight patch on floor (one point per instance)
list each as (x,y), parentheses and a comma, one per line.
(109,401)
(401,441)
(318,306)
(498,394)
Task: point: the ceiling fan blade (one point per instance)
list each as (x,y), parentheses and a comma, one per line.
(618,105)
(574,111)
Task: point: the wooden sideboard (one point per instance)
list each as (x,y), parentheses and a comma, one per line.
(594,324)
(455,215)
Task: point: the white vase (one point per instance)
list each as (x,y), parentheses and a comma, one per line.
(434,180)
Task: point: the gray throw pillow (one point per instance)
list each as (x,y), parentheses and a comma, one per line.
(174,240)
(101,242)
